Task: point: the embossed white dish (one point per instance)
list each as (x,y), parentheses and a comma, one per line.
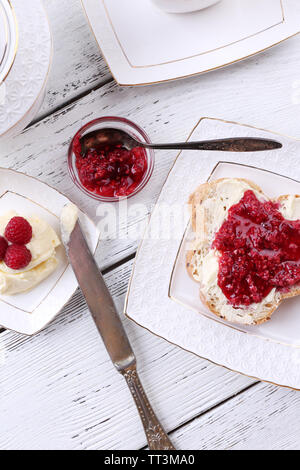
(31,311)
(8,38)
(170,306)
(144,45)
(22,92)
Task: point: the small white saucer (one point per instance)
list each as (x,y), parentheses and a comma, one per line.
(29,312)
(144,45)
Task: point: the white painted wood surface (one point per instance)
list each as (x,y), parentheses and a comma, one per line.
(263,417)
(77,66)
(75,399)
(58,389)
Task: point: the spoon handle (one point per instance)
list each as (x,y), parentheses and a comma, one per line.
(243,144)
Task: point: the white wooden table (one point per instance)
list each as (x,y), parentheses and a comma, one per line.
(58,390)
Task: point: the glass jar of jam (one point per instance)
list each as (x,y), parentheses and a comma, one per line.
(108,173)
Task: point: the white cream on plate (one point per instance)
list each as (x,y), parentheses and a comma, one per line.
(68,219)
(43,250)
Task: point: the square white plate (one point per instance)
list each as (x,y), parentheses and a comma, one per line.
(144,45)
(285,324)
(270,352)
(29,312)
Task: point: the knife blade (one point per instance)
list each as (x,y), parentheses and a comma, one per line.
(99,300)
(110,327)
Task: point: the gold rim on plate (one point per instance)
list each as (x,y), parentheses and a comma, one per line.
(7,67)
(5,34)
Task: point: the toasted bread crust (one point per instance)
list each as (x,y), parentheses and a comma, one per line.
(196,200)
(189,265)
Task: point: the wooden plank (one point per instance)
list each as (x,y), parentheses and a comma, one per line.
(78,65)
(264,417)
(60,390)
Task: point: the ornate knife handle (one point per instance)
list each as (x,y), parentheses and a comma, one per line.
(156,436)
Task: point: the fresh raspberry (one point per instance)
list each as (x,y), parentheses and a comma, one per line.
(18,231)
(17,257)
(3,248)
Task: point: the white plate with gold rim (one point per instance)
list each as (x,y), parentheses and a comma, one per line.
(8,38)
(143,44)
(170,307)
(31,311)
(22,89)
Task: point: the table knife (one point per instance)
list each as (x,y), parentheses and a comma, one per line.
(110,327)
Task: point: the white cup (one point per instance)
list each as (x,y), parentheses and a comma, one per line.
(183,6)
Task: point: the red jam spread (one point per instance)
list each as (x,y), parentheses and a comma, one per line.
(260,250)
(110,171)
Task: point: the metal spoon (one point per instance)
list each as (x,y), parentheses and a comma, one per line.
(115,137)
